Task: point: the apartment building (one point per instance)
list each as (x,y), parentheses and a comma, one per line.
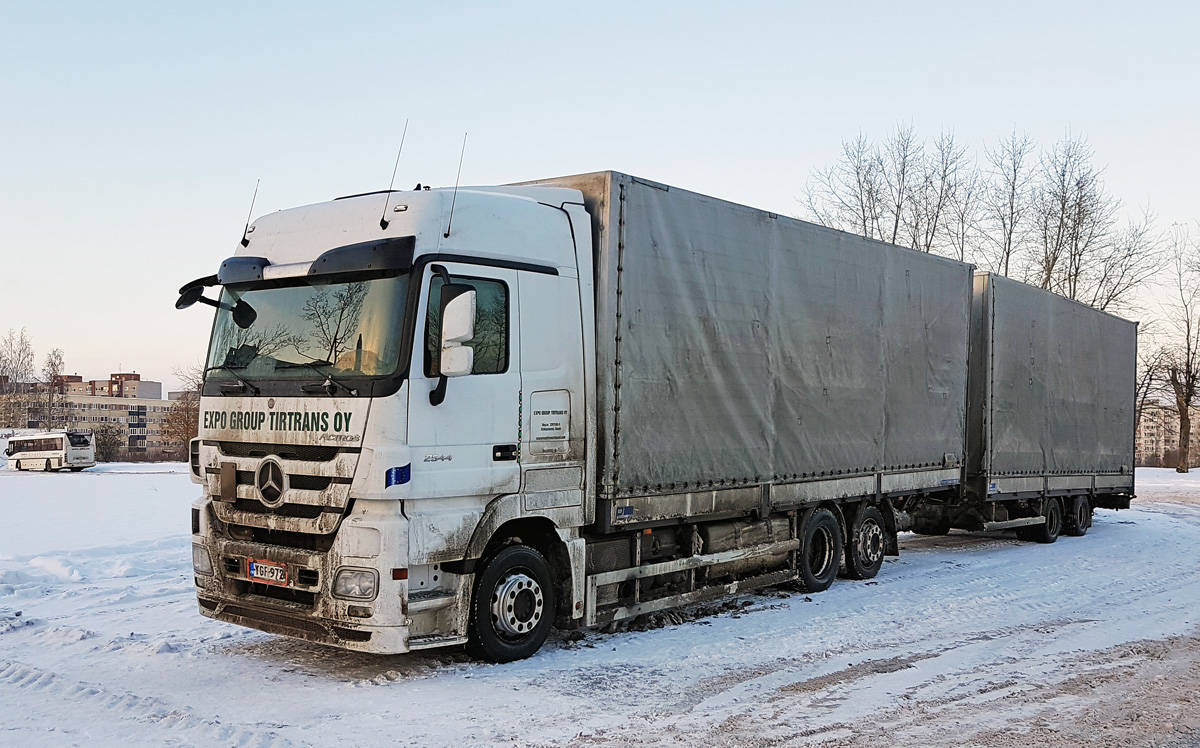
(125,400)
(1156,441)
(120,384)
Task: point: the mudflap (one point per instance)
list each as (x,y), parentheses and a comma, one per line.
(1112,501)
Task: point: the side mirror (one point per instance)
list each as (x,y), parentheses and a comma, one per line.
(189,296)
(458,327)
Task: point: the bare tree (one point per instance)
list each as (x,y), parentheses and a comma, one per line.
(16,371)
(963,223)
(901,162)
(1074,217)
(1181,356)
(897,192)
(849,194)
(1151,372)
(1006,199)
(932,194)
(1131,257)
(109,438)
(183,419)
(1048,220)
(52,369)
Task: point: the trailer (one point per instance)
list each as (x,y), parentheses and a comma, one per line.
(443,417)
(1051,419)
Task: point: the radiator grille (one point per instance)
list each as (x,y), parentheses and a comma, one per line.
(305,452)
(304,511)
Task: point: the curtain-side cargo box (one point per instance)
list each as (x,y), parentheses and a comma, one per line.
(1051,393)
(737,348)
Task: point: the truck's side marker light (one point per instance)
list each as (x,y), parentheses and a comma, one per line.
(398,476)
(399,574)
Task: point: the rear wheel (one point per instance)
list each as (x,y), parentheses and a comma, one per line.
(1050,528)
(513,606)
(868,542)
(47,468)
(1079,519)
(820,550)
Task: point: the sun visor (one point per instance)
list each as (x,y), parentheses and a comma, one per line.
(383,255)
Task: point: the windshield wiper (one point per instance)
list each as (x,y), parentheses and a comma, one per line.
(239,388)
(327,386)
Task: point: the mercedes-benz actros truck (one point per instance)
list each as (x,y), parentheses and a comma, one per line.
(464,416)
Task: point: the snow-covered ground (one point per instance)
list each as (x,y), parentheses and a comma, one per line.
(971,639)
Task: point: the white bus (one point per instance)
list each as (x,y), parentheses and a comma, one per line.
(52,450)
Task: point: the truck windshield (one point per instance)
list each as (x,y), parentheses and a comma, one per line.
(347,329)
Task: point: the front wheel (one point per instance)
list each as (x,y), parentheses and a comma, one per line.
(820,550)
(513,606)
(868,542)
(47,468)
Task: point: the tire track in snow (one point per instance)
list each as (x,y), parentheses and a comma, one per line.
(128,706)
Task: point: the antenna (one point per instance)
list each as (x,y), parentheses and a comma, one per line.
(246,231)
(383,221)
(455,198)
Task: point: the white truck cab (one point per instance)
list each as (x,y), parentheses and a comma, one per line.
(355,456)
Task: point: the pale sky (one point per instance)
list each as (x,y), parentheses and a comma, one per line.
(132,134)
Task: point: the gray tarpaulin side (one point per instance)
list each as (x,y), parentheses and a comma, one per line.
(735,346)
(1062,383)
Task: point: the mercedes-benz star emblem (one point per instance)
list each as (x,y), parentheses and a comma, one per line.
(271,482)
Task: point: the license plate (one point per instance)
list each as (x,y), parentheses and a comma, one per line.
(267,572)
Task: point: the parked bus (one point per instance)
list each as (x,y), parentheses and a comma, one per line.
(52,450)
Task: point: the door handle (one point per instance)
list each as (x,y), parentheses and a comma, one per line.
(502,452)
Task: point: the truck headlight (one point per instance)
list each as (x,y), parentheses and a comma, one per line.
(355,584)
(201,561)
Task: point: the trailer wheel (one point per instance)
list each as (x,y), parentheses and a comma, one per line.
(868,542)
(513,606)
(1080,517)
(1049,530)
(820,550)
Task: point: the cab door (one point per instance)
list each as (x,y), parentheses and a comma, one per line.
(468,444)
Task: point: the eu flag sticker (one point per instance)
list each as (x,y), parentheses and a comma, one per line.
(398,476)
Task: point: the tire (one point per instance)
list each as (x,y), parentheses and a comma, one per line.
(1050,529)
(931,526)
(47,469)
(512,609)
(820,550)
(1079,519)
(868,543)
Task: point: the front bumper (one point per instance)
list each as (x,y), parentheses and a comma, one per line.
(301,608)
(300,625)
